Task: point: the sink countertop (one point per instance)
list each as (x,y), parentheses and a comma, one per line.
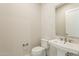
(70,47)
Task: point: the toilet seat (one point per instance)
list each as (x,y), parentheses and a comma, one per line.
(38,48)
(38,51)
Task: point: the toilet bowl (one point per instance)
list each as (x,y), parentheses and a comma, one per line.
(40,50)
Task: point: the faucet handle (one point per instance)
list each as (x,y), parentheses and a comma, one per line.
(61,39)
(70,41)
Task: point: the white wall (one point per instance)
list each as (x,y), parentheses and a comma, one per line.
(19,23)
(48,20)
(48,24)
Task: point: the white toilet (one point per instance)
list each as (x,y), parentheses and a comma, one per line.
(40,50)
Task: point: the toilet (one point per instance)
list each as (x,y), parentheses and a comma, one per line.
(40,50)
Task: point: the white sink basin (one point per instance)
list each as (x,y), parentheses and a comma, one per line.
(69,47)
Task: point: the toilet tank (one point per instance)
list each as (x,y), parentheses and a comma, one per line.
(44,43)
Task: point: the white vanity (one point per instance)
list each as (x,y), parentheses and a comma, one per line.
(63,49)
(70,30)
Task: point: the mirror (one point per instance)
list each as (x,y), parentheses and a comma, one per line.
(67,20)
(72,22)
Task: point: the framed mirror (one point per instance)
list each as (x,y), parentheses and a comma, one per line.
(72,22)
(67,20)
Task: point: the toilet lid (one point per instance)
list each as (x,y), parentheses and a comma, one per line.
(37,49)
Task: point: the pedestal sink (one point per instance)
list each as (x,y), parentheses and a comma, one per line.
(69,47)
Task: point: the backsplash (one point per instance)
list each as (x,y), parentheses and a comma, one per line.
(74,39)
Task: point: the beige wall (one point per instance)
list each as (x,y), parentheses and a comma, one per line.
(22,23)
(19,23)
(60,17)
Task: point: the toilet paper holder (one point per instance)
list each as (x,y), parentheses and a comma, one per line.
(25,44)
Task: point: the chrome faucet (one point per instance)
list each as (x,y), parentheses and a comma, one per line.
(65,39)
